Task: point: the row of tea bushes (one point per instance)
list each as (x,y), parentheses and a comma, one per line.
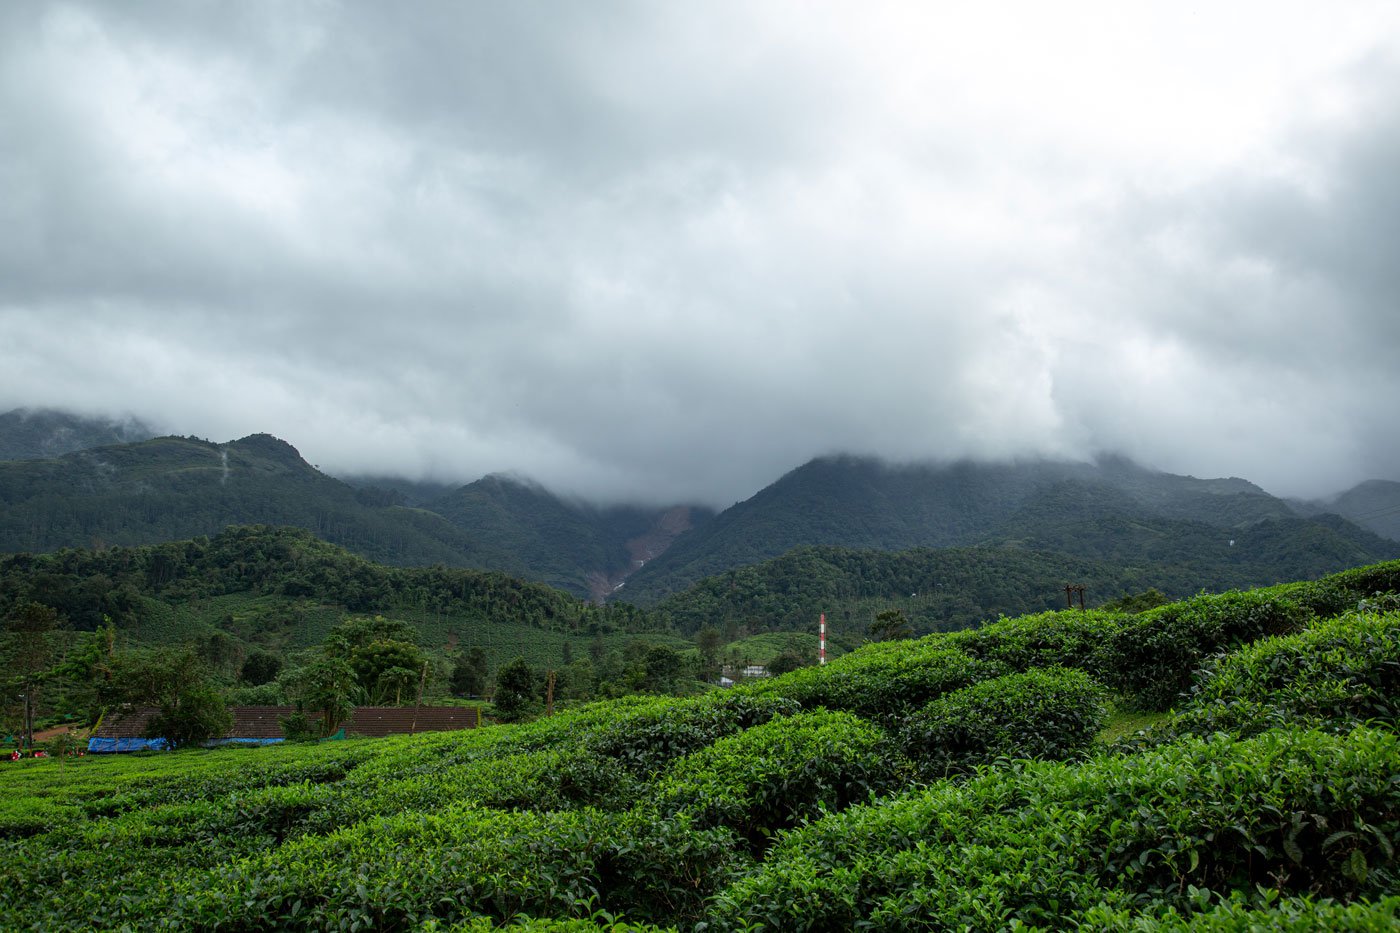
(1151,657)
(1046,843)
(883,682)
(1050,713)
(817,800)
(1273,914)
(1340,673)
(781,773)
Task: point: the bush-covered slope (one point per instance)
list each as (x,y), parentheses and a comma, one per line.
(811,801)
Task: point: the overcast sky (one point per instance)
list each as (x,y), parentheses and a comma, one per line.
(670,250)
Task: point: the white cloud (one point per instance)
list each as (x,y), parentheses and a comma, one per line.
(672,251)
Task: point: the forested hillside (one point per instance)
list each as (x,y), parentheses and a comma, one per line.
(1130,528)
(250,615)
(136,586)
(1224,762)
(1110,511)
(936,589)
(1374,504)
(171,488)
(581,548)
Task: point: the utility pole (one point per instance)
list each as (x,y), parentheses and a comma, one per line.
(549,695)
(821,641)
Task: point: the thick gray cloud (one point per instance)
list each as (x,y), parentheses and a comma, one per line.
(638,250)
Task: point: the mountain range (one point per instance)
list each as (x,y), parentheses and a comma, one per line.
(1110,510)
(1173,532)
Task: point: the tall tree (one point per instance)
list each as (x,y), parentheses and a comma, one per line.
(327,686)
(378,650)
(517,691)
(889,625)
(31,624)
(470,673)
(190,707)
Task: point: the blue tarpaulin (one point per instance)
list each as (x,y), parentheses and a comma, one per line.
(100,746)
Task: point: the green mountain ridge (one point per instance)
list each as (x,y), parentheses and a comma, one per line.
(572,545)
(1110,510)
(172,488)
(1373,504)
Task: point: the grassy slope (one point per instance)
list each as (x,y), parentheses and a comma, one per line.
(756,805)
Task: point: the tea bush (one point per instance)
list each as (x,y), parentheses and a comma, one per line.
(1285,915)
(780,773)
(545,925)
(1369,581)
(882,682)
(1046,713)
(1154,656)
(456,864)
(1071,638)
(1336,675)
(646,739)
(1044,843)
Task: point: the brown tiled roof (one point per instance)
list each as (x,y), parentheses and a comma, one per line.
(401,720)
(124,724)
(260,722)
(264,722)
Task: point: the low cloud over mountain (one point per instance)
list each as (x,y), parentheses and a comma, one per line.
(662,253)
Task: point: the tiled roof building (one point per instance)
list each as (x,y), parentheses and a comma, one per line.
(125,730)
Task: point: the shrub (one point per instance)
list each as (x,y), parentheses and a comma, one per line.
(597,924)
(298,727)
(1049,713)
(1045,842)
(1071,638)
(882,682)
(777,774)
(646,739)
(1368,581)
(1334,676)
(456,864)
(1155,655)
(1286,915)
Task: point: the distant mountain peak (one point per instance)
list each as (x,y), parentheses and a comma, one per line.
(273,448)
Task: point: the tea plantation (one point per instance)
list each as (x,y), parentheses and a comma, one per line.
(961,781)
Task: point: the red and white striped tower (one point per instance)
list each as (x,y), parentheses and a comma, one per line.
(821,649)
